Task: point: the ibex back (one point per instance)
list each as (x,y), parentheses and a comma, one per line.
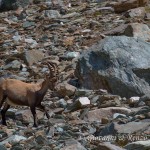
(15,92)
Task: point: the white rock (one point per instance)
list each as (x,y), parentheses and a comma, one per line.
(118,114)
(84,101)
(86,31)
(133,100)
(32,42)
(17,38)
(73,54)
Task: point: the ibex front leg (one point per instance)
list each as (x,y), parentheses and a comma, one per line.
(32,105)
(32,108)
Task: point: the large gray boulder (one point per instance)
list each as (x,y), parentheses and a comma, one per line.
(119,64)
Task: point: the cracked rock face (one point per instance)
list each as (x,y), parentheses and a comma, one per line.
(119,64)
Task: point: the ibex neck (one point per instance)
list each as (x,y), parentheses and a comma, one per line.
(44,87)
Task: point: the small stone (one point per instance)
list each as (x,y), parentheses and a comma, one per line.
(14,139)
(148,115)
(77,146)
(74,14)
(17,38)
(40,139)
(33,56)
(140,117)
(133,100)
(28,24)
(78,104)
(95,99)
(141,103)
(3,29)
(60,129)
(25,116)
(82,92)
(128,128)
(86,31)
(11,113)
(24,74)
(65,89)
(116,115)
(71,55)
(104,120)
(52,14)
(66,98)
(83,101)
(122,6)
(51,132)
(17,147)
(145,98)
(8,145)
(24,69)
(32,42)
(98,114)
(2,147)
(138,30)
(3,135)
(108,146)
(62,103)
(136,12)
(15,65)
(147,16)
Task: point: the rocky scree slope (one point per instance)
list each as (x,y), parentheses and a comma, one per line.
(112,38)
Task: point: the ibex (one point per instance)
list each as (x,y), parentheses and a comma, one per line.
(15,92)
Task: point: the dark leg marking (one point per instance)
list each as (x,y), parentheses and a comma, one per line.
(32,108)
(3,112)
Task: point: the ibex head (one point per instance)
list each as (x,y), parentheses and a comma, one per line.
(52,77)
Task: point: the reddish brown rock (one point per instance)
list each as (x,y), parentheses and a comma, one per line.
(65,89)
(136,12)
(98,114)
(25,116)
(137,30)
(123,5)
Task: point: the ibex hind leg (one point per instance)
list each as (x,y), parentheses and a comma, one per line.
(3,112)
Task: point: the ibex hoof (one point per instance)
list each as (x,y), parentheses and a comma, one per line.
(35,125)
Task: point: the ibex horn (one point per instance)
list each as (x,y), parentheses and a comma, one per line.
(51,68)
(55,69)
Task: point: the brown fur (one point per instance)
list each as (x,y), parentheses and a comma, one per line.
(15,92)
